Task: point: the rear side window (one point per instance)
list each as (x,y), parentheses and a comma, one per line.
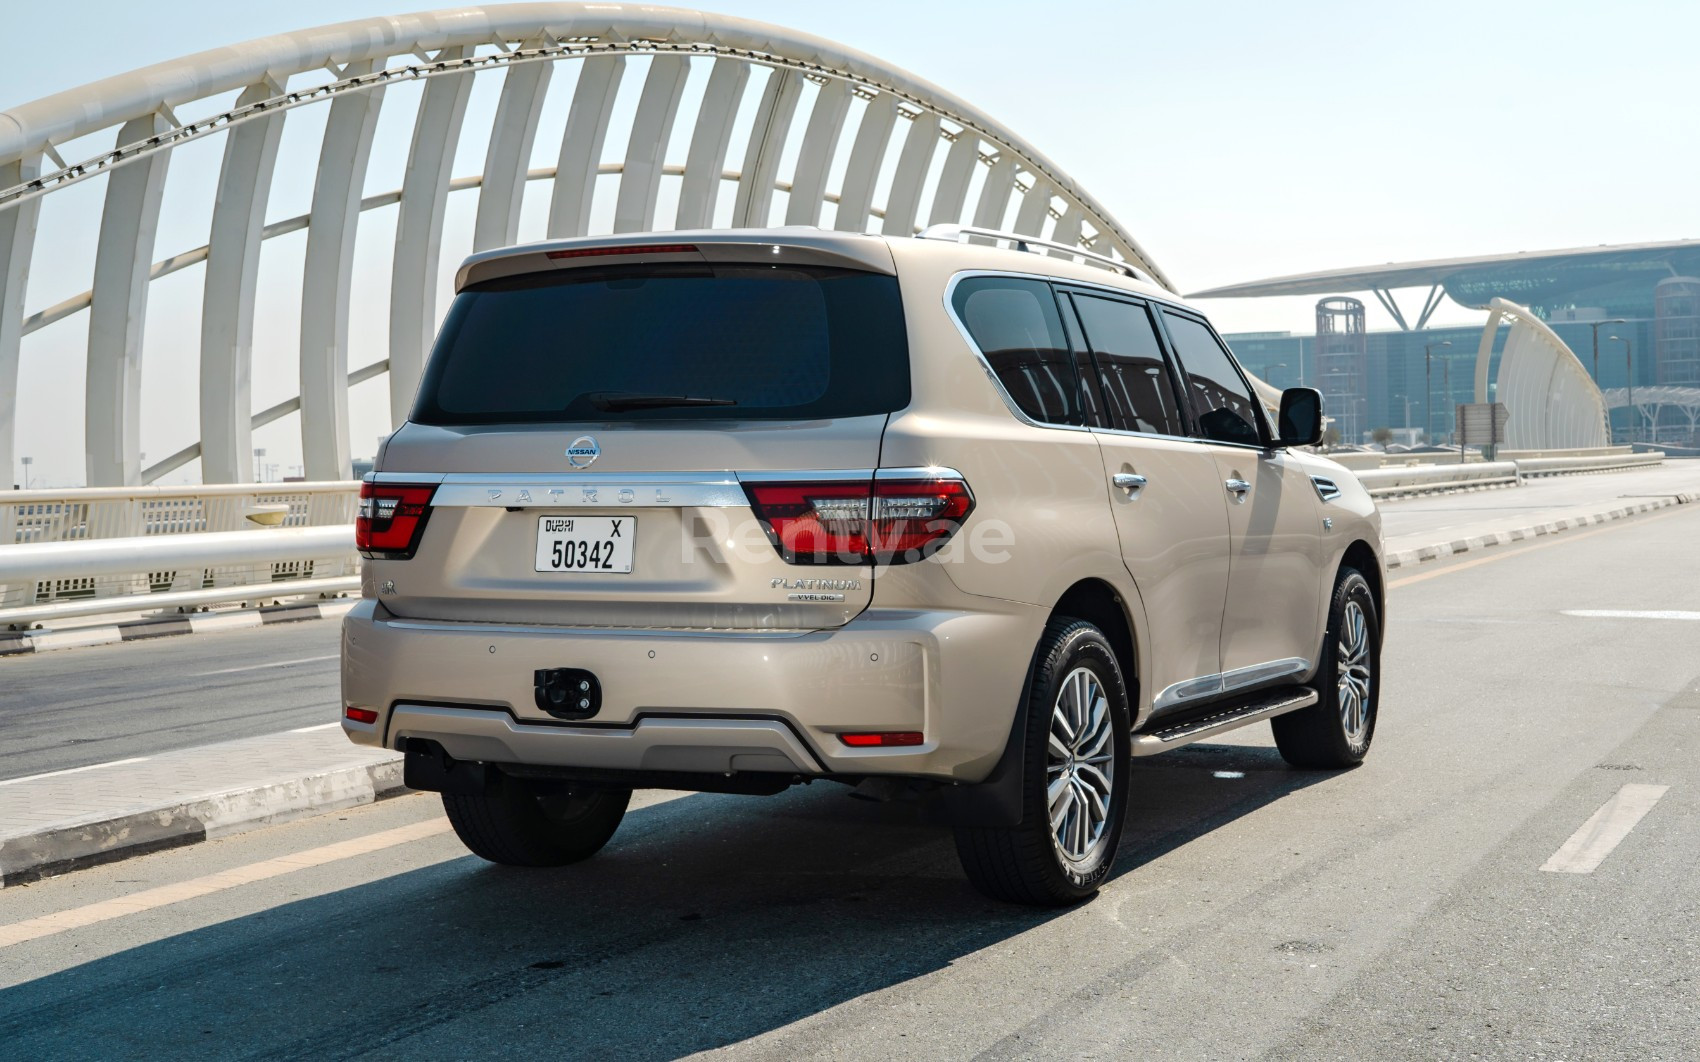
(695,342)
(1138,391)
(1016,325)
(1222,402)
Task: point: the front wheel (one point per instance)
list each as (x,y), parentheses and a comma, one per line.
(1074,778)
(1336,730)
(522,824)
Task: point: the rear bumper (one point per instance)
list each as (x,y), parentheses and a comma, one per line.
(701,702)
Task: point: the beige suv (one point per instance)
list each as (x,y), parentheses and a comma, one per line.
(967,519)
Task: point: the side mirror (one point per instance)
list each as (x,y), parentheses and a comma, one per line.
(1301,417)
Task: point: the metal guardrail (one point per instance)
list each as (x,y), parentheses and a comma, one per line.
(30,516)
(58,580)
(68,553)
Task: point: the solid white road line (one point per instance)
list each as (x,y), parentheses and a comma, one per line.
(206,885)
(262,667)
(1604,830)
(73,770)
(149,899)
(310,729)
(1614,613)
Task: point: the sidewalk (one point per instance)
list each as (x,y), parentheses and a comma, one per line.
(53,823)
(1430,527)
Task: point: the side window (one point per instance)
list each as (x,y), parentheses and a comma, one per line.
(1222,402)
(1138,391)
(1016,325)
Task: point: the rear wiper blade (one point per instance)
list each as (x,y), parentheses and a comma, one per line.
(618,401)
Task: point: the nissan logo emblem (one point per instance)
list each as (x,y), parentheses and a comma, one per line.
(582,451)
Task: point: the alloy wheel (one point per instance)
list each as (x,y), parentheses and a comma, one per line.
(1080,767)
(1353,672)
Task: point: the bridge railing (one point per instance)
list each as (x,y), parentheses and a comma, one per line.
(69,553)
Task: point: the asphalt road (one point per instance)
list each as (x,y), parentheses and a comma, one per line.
(74,707)
(1393,911)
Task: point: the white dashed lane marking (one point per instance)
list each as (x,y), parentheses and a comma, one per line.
(1604,830)
(1618,613)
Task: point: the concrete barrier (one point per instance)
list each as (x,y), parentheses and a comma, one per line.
(1423,479)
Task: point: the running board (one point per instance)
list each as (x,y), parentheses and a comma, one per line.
(1264,706)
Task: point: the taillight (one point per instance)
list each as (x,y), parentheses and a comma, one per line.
(390,519)
(883,739)
(887,521)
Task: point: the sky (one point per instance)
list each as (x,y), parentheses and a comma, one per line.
(1235,141)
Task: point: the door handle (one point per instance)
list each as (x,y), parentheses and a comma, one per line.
(1128,481)
(1237,487)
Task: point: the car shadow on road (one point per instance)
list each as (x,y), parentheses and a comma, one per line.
(707,921)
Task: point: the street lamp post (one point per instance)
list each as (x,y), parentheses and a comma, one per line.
(28,461)
(1407,401)
(1428,386)
(1451,413)
(1629,368)
(1596,327)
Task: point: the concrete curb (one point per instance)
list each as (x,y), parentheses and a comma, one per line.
(16,642)
(60,848)
(1409,557)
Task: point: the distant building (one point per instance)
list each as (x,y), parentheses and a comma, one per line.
(1654,288)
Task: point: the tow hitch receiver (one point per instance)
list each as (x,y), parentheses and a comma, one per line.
(568,692)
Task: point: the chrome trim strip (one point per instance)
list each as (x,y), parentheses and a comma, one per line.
(1207,686)
(607,490)
(1326,488)
(641,490)
(813,475)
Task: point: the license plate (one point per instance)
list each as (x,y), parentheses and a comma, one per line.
(585,543)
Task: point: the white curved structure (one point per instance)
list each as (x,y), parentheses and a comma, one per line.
(1552,401)
(904,143)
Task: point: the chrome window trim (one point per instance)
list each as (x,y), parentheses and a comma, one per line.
(991,374)
(1017,411)
(1207,686)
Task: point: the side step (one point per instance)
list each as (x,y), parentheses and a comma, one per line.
(1265,705)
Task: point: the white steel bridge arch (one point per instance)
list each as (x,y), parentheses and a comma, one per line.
(945,144)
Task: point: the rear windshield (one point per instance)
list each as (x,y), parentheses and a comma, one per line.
(729,342)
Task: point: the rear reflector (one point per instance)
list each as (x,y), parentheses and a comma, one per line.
(882,739)
(596,252)
(361,715)
(887,521)
(390,519)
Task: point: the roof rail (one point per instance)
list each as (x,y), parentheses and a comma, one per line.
(955,234)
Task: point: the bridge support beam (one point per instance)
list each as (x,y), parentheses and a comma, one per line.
(509,155)
(581,145)
(419,233)
(112,430)
(326,280)
(227,305)
(17,243)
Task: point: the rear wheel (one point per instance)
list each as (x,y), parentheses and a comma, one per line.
(1337,729)
(1074,778)
(522,824)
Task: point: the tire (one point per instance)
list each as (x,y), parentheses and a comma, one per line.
(1028,864)
(1336,731)
(519,824)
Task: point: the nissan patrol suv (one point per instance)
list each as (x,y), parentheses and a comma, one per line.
(969,518)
